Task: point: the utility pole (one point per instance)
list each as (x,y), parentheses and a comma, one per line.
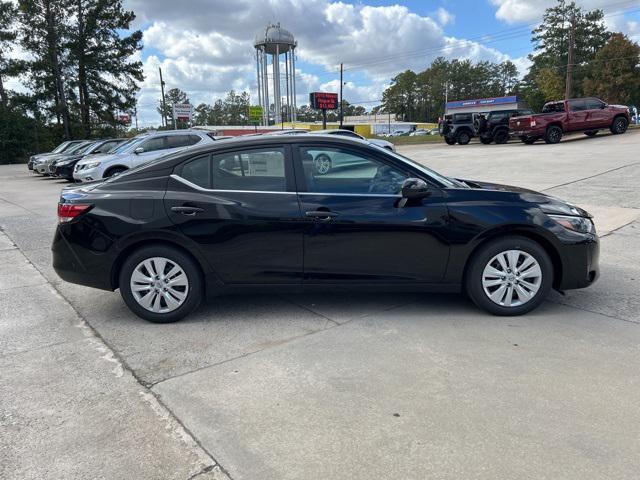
(135,112)
(341,105)
(164,105)
(569,80)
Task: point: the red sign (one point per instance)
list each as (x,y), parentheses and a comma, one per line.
(323,100)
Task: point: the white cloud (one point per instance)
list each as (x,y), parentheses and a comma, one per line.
(444,16)
(528,11)
(206,48)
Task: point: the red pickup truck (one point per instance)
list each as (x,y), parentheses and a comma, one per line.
(586,115)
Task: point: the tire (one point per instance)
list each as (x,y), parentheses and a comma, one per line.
(529,140)
(501,137)
(619,125)
(450,141)
(553,134)
(591,133)
(484,268)
(113,171)
(187,293)
(486,140)
(322,164)
(463,138)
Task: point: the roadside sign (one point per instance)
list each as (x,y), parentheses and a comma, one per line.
(183,111)
(323,100)
(255,113)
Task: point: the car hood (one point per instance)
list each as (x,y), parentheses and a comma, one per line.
(100,157)
(547,203)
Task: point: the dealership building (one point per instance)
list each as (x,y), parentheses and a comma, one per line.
(485,105)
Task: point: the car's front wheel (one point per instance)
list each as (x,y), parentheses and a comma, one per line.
(160,284)
(464,138)
(114,171)
(619,125)
(509,276)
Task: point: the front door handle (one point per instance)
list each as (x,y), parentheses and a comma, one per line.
(187,210)
(322,215)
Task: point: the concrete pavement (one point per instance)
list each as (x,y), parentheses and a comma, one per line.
(334,385)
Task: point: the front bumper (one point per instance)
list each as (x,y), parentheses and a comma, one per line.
(87,174)
(64,171)
(580,263)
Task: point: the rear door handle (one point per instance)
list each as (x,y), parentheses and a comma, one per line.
(322,215)
(187,210)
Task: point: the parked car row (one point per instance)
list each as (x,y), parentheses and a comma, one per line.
(588,115)
(254,213)
(89,160)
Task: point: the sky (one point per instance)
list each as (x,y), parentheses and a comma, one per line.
(205,47)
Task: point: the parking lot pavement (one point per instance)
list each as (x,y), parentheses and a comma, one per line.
(347,386)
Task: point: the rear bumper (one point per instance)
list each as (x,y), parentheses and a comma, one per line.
(77,264)
(528,132)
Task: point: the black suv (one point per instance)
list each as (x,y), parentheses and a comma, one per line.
(494,127)
(459,127)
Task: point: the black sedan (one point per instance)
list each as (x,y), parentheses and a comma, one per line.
(253,214)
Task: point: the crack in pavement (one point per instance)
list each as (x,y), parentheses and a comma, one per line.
(591,176)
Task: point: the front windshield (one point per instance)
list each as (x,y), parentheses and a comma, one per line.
(60,147)
(76,148)
(125,146)
(445,181)
(84,148)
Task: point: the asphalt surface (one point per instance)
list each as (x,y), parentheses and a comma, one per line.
(332,385)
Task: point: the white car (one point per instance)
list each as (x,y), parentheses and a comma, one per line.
(349,133)
(140,149)
(419,132)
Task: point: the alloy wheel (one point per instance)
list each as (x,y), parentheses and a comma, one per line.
(322,164)
(511,278)
(159,285)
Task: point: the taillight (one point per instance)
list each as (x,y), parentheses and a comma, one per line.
(533,122)
(69,211)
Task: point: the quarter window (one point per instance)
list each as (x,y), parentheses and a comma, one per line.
(198,171)
(255,170)
(333,170)
(176,141)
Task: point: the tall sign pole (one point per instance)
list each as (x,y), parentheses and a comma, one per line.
(341,104)
(569,81)
(164,104)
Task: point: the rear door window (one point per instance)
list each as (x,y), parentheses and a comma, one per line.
(577,105)
(155,143)
(254,170)
(593,104)
(198,171)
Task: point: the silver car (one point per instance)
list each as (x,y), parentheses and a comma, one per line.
(41,165)
(59,149)
(141,149)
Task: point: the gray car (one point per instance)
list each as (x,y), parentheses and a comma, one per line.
(59,149)
(41,165)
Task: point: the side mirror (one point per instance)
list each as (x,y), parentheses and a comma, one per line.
(415,188)
(138,150)
(603,106)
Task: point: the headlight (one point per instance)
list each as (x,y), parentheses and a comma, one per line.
(91,165)
(576,224)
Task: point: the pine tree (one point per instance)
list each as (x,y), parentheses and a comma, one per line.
(43,32)
(100,53)
(614,74)
(551,40)
(8,66)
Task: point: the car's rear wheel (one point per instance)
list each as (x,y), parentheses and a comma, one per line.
(553,134)
(486,140)
(114,171)
(619,125)
(501,136)
(509,276)
(464,138)
(591,133)
(160,284)
(322,164)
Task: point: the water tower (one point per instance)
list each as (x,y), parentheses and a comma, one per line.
(270,44)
